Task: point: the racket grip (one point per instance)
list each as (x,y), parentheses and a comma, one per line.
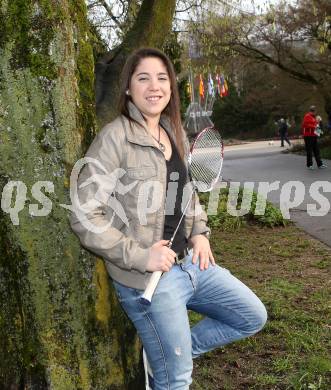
(146,298)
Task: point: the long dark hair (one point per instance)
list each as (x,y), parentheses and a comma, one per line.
(172,110)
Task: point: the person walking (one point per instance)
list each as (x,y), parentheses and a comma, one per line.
(309,127)
(147,146)
(283,132)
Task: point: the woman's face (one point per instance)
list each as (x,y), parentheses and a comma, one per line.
(150,87)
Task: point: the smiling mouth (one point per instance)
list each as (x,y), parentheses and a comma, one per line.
(153,98)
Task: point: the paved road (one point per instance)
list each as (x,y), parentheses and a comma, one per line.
(260,162)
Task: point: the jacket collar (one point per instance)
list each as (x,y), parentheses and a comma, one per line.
(139,134)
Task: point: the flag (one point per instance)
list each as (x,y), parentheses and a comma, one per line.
(211,89)
(201,88)
(224,87)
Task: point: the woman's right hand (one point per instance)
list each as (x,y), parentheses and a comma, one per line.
(161,258)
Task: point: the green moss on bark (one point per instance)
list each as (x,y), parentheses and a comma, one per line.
(19,343)
(29,25)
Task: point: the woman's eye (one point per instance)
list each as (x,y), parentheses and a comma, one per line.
(142,78)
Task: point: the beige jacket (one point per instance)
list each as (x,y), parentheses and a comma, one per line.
(125,242)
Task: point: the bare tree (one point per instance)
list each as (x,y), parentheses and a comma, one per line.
(294,38)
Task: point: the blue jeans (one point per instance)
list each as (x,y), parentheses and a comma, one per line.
(232,311)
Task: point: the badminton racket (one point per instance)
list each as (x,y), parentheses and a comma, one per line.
(205,162)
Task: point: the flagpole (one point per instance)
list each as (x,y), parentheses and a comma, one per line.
(193,101)
(199,92)
(207,95)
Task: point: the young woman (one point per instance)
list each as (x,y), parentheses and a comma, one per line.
(130,222)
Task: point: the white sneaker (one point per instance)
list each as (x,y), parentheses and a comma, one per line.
(149,380)
(323,166)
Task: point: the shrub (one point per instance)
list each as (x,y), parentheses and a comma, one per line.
(223,220)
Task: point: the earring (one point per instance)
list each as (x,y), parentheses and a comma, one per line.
(127,92)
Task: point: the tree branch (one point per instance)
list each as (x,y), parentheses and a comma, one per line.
(189,7)
(261,56)
(107,8)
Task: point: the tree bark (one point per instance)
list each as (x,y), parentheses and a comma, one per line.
(151,27)
(60,324)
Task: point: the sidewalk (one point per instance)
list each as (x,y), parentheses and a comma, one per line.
(260,162)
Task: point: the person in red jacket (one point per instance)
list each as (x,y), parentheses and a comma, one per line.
(309,125)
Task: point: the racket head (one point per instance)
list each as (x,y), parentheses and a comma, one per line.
(206,159)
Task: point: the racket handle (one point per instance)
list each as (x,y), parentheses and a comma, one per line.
(146,298)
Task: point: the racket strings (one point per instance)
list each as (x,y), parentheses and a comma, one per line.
(206,159)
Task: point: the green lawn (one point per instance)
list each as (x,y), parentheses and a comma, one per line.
(290,272)
(326,153)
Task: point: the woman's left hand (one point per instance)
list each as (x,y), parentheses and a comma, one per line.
(202,251)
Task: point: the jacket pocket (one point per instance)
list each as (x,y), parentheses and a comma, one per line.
(135,178)
(141,173)
(139,176)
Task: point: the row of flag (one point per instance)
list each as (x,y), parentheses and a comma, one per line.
(221,86)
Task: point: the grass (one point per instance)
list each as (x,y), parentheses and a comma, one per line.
(223,220)
(290,272)
(326,153)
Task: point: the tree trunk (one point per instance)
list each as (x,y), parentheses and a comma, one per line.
(153,23)
(60,324)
